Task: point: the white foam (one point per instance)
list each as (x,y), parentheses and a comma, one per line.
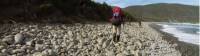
(198,32)
(182,36)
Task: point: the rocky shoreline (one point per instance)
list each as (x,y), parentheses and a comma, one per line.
(186,49)
(81,40)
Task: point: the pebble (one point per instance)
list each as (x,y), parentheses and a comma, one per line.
(8,40)
(19,38)
(119,54)
(70,33)
(18,51)
(1,47)
(106,43)
(110,53)
(30,43)
(51,52)
(38,47)
(20,54)
(38,54)
(4,51)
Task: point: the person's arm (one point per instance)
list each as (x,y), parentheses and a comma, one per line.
(123,17)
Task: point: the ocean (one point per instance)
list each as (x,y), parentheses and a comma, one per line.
(186,32)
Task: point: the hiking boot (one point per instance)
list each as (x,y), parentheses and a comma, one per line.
(114,37)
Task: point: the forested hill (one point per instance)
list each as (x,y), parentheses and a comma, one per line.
(53,11)
(165,12)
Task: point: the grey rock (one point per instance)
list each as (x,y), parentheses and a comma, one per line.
(33,30)
(20,54)
(18,51)
(39,41)
(4,51)
(70,45)
(38,47)
(3,54)
(77,52)
(18,46)
(1,47)
(94,37)
(131,47)
(48,52)
(45,52)
(51,52)
(80,45)
(63,44)
(153,46)
(106,43)
(57,48)
(110,53)
(101,40)
(100,34)
(19,38)
(70,33)
(136,53)
(24,47)
(54,42)
(138,44)
(26,29)
(8,40)
(127,53)
(29,42)
(119,54)
(38,54)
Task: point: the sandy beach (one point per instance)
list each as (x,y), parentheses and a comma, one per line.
(83,39)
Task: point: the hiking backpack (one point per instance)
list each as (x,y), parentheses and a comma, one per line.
(116,17)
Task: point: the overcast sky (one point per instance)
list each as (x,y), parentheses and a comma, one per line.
(125,3)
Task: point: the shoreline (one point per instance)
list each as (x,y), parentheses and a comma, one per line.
(186,49)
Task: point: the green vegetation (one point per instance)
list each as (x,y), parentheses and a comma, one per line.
(54,11)
(165,12)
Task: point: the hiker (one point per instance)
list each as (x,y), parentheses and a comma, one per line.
(140,22)
(116,21)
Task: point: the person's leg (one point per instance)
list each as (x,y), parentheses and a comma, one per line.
(140,24)
(114,31)
(118,32)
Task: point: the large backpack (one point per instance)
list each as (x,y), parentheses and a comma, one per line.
(116,17)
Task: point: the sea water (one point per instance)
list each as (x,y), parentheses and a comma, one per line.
(186,32)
